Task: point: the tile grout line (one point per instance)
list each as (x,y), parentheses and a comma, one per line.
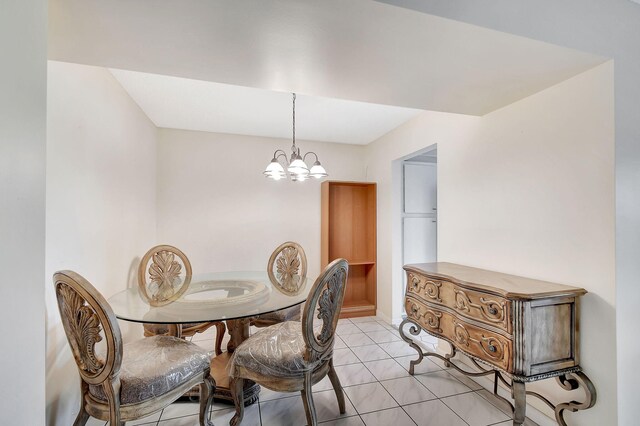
(385,389)
(402,407)
(452,410)
(423,385)
(380,382)
(395,400)
(438,398)
(509,415)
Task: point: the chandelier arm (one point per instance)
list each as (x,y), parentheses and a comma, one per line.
(280,153)
(310,152)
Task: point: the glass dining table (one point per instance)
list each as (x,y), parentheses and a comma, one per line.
(233,297)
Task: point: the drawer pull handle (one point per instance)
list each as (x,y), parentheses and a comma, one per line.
(492,348)
(493,311)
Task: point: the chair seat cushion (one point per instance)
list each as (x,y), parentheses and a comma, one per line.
(154,366)
(275,351)
(288,314)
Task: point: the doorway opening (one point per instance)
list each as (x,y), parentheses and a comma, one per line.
(419,213)
(420,208)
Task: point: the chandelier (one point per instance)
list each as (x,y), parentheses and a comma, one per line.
(296,168)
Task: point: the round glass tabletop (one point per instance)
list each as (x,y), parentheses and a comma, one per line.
(211,297)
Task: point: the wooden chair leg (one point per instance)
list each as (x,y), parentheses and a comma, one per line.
(83,417)
(221,329)
(237,392)
(112,391)
(207,387)
(337,387)
(307,399)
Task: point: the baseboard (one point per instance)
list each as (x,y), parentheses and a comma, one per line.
(385,317)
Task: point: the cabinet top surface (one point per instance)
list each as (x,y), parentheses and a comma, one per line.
(347,183)
(509,286)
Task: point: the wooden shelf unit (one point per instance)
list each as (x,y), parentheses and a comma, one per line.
(349,232)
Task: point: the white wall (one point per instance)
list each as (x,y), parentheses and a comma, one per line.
(608,28)
(23,43)
(425,130)
(101,191)
(529,190)
(215,204)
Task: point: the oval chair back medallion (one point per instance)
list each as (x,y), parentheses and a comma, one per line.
(164,275)
(287,267)
(324,303)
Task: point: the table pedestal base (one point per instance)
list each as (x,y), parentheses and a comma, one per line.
(239,332)
(220,374)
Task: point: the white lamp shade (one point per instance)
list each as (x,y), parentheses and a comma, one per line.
(298,167)
(317,171)
(274,170)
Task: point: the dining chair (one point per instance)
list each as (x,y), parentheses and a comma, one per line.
(123,382)
(293,356)
(287,269)
(160,283)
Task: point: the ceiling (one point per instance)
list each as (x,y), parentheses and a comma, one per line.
(181,103)
(358,50)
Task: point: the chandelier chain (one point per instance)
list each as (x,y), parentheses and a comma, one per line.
(294,121)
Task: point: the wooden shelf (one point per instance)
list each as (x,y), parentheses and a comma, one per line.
(349,232)
(358,309)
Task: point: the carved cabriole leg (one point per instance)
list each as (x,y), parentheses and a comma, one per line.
(175,330)
(238,332)
(220,330)
(415,330)
(337,387)
(519,395)
(571,381)
(307,399)
(237,392)
(206,398)
(450,355)
(83,416)
(112,391)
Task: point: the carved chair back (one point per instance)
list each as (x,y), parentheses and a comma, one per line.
(164,275)
(86,316)
(324,303)
(287,267)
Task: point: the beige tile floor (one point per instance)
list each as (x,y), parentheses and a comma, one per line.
(372,363)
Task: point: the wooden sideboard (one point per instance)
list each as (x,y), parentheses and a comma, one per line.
(511,327)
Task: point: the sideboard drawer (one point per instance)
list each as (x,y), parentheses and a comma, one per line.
(484,307)
(476,341)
